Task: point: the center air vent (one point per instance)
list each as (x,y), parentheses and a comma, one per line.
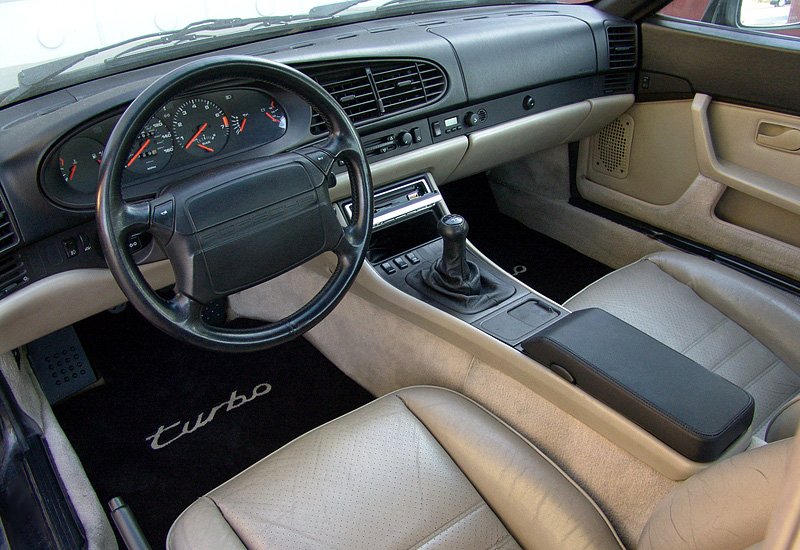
(372,89)
(8,235)
(621,47)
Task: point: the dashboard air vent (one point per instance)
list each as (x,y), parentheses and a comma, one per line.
(618,83)
(12,274)
(621,47)
(369,90)
(8,234)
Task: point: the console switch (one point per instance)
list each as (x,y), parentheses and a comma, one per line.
(401,263)
(388,267)
(413,258)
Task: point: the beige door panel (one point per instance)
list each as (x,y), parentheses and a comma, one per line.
(661,153)
(698,170)
(732,155)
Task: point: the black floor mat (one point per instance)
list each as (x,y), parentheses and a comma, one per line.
(548,266)
(152,380)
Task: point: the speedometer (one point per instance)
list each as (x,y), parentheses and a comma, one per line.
(200,127)
(152,149)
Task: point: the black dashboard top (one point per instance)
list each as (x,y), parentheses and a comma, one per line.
(50,142)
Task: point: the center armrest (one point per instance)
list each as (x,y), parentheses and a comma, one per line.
(691,409)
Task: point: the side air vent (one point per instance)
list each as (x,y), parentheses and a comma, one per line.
(8,234)
(370,90)
(620,83)
(12,274)
(621,47)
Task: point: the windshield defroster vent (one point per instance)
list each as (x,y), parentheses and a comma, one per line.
(370,90)
(8,233)
(621,47)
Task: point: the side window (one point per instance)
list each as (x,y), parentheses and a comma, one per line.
(771,16)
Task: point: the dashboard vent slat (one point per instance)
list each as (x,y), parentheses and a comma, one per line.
(12,274)
(371,89)
(9,238)
(618,83)
(621,47)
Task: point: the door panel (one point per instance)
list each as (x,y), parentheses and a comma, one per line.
(710,167)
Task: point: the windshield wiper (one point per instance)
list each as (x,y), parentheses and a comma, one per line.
(189,32)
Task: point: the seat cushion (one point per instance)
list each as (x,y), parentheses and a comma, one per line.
(740,328)
(421,467)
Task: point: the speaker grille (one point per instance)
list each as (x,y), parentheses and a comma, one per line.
(612,147)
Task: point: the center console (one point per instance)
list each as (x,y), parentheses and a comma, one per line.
(420,248)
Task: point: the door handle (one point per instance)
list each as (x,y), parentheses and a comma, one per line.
(778,136)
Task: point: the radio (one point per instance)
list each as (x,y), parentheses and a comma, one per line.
(400,201)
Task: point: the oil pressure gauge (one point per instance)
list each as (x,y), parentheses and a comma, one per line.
(260,119)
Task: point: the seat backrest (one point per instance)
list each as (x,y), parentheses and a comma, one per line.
(726,506)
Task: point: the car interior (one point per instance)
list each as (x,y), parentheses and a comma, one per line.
(404,274)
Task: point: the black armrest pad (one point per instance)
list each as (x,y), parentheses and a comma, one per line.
(691,409)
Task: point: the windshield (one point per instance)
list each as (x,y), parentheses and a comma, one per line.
(49,44)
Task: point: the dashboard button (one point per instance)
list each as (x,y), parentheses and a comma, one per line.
(164,214)
(85,242)
(320,158)
(436,127)
(401,263)
(70,247)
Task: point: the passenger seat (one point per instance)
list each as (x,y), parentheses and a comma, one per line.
(736,326)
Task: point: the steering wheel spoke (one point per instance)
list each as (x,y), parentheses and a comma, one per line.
(185,310)
(134,218)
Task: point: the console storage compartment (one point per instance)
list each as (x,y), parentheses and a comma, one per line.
(694,411)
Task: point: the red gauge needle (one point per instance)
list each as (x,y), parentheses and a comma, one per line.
(204,148)
(272,118)
(72,171)
(137,153)
(196,135)
(241,125)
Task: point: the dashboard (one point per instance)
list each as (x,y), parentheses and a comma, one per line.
(450,93)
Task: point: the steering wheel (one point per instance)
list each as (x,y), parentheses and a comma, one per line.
(236,226)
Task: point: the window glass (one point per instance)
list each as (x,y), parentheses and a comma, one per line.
(771,16)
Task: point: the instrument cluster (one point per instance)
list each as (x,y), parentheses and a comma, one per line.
(184,133)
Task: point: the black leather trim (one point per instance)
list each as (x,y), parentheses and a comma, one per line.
(691,409)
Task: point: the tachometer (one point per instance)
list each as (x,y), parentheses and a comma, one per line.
(79,162)
(200,127)
(152,149)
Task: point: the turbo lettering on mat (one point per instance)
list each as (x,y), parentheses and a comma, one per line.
(169,434)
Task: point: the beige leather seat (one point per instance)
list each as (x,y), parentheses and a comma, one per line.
(426,467)
(732,324)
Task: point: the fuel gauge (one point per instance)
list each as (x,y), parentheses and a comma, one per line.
(79,162)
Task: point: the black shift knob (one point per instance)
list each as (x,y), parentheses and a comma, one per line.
(453,227)
(453,266)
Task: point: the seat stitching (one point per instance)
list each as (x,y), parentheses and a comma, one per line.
(734,352)
(705,335)
(450,524)
(760,375)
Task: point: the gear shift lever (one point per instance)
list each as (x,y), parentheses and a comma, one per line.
(456,274)
(454,281)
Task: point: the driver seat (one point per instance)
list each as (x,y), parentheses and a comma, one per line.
(426,467)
